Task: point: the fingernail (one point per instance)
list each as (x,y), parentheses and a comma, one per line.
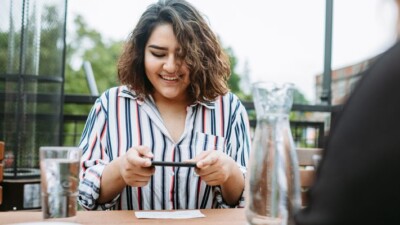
(147,163)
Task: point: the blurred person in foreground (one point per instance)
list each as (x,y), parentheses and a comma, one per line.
(358,180)
(173,105)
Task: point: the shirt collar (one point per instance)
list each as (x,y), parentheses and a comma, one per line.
(208,104)
(127,93)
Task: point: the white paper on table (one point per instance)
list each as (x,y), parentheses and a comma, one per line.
(184,214)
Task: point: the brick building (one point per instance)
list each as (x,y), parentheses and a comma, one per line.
(343,81)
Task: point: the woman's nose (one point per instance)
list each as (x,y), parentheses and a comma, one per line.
(170,65)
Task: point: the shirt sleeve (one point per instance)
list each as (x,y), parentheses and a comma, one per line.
(94,158)
(238,148)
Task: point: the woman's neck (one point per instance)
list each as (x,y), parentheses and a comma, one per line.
(171,105)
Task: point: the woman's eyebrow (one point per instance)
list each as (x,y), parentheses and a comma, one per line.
(161,48)
(158,47)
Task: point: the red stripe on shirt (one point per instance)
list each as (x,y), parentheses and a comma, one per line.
(92,147)
(198,192)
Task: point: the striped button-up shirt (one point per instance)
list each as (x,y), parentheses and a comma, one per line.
(119,120)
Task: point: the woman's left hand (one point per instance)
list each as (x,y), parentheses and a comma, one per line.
(214,167)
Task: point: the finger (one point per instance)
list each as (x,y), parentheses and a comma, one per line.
(144,162)
(144,151)
(138,183)
(146,171)
(134,158)
(212,182)
(200,156)
(141,178)
(208,161)
(206,171)
(141,162)
(203,172)
(213,178)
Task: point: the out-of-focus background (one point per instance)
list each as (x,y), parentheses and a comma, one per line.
(275,40)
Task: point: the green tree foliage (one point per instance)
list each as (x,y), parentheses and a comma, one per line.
(234,80)
(299,98)
(3,56)
(52,31)
(87,44)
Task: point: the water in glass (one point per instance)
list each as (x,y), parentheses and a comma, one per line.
(60,179)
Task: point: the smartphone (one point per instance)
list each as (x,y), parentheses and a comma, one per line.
(169,163)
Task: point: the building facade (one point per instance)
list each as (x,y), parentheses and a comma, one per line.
(343,81)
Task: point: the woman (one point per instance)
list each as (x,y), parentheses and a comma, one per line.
(174,105)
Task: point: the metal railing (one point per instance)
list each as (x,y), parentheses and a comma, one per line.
(305,133)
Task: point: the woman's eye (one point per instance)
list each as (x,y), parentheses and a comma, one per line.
(158,54)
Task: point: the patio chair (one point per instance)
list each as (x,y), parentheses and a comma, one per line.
(308,161)
(1,170)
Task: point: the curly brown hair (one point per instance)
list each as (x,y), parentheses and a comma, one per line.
(208,64)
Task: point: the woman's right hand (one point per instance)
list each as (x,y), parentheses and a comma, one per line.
(135,167)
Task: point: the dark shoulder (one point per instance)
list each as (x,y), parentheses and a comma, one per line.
(382,76)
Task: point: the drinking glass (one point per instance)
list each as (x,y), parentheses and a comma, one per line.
(59,167)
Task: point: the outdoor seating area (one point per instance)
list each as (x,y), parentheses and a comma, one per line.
(34,112)
(185,118)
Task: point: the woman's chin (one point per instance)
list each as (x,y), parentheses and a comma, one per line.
(173,96)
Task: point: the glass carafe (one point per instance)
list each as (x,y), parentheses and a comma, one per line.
(273,181)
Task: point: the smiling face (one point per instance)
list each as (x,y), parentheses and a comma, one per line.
(168,74)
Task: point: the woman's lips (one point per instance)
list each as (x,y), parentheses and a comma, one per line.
(170,78)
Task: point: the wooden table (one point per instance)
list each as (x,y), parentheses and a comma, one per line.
(213,216)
